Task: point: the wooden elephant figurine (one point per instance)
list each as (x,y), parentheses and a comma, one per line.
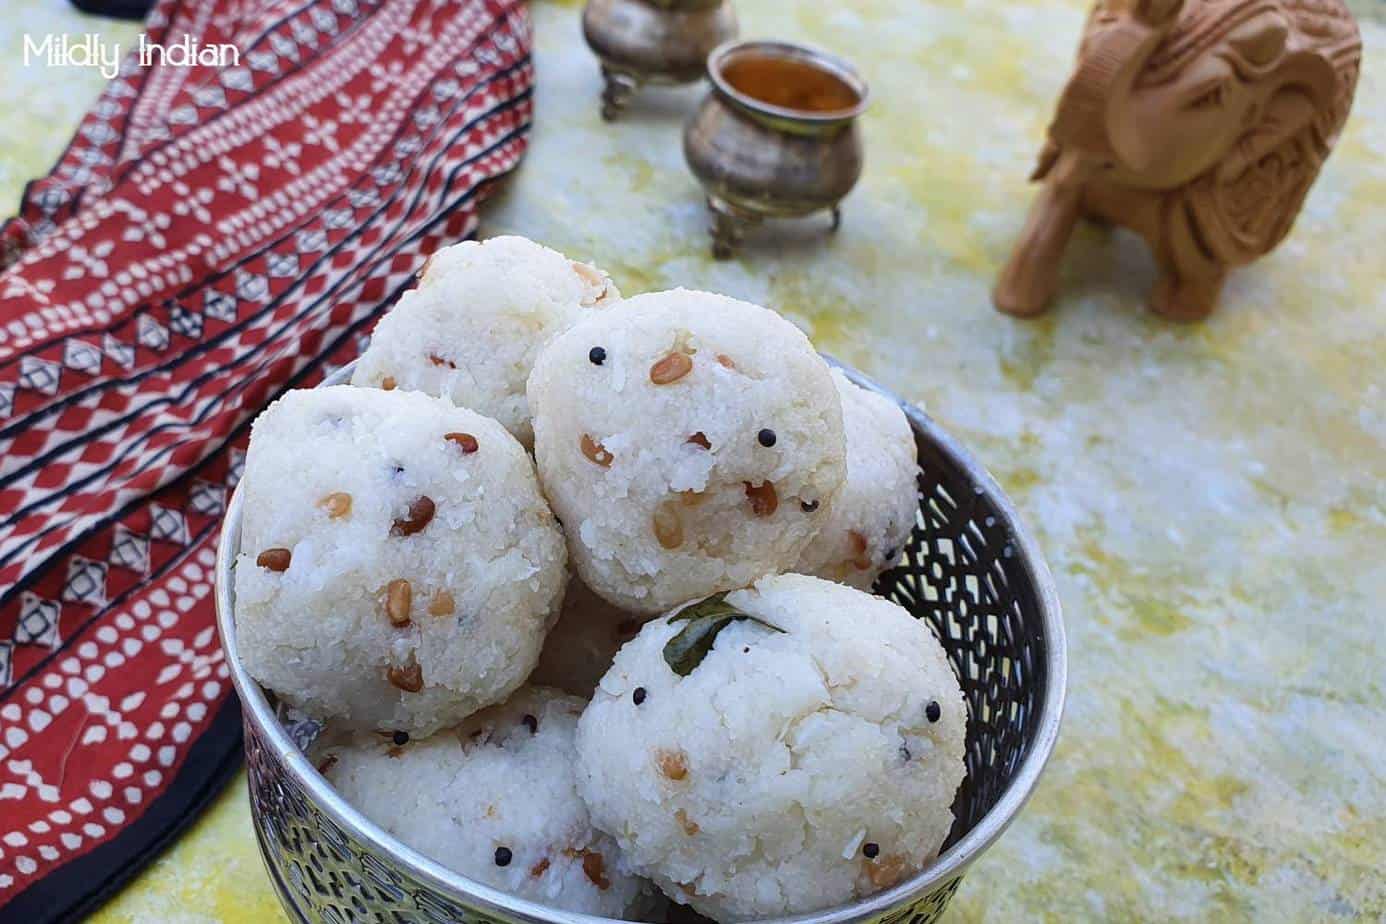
(1198,124)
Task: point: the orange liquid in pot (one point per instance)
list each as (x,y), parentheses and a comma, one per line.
(789,84)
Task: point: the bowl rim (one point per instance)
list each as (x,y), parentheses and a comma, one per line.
(820,58)
(947,866)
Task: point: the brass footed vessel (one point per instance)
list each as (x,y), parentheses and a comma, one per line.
(776,137)
(653,41)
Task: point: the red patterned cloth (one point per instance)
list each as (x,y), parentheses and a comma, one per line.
(212,236)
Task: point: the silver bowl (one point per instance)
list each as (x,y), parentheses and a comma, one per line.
(970,571)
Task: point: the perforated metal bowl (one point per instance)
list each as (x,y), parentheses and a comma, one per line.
(970,571)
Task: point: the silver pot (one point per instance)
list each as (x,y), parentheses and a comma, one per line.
(653,41)
(758,159)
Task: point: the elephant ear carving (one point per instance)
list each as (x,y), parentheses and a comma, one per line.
(1246,205)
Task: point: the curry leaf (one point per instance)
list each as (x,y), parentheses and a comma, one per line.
(715,605)
(706,618)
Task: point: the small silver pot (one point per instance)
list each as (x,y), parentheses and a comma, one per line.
(756,159)
(653,41)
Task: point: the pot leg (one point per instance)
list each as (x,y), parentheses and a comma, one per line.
(837,217)
(620,87)
(728,227)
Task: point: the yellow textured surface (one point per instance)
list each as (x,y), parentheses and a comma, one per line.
(1212,498)
(213,873)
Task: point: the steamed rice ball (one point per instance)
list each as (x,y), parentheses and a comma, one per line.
(873,516)
(398,565)
(810,758)
(579,648)
(689,442)
(496,800)
(471,329)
